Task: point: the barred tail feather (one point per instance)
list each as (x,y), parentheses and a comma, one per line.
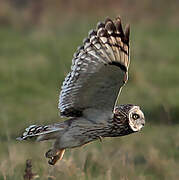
(40,132)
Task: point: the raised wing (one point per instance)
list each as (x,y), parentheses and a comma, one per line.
(99,70)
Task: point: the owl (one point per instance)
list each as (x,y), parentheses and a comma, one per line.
(89,94)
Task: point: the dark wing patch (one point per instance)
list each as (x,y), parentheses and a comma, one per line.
(99,70)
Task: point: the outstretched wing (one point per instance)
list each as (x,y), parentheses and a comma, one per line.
(99,71)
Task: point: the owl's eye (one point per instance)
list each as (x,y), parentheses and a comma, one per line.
(135,116)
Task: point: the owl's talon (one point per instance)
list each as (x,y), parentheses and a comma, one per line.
(54,156)
(50,161)
(53,160)
(50,153)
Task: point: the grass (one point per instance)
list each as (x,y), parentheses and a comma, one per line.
(33,64)
(150,154)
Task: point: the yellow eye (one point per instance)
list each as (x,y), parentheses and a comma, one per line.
(135,116)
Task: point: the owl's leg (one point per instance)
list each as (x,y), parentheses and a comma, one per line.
(54,155)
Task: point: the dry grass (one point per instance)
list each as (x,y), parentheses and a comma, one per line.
(150,154)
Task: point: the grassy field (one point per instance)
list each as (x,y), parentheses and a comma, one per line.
(33,64)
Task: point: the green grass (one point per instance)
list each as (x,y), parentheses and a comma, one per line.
(33,64)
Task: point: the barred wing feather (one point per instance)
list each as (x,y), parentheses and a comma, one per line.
(99,71)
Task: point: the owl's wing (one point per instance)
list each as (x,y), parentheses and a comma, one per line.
(99,71)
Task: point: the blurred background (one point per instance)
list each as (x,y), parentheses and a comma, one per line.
(37,42)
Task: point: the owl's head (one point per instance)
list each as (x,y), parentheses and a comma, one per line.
(133,114)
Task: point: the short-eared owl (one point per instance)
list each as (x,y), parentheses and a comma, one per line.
(89,93)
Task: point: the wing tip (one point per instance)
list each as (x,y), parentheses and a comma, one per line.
(115,25)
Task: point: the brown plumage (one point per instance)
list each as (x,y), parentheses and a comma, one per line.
(89,93)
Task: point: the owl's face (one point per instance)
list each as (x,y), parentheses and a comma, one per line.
(132,114)
(136,118)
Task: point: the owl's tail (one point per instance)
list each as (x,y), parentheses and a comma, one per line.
(41,132)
